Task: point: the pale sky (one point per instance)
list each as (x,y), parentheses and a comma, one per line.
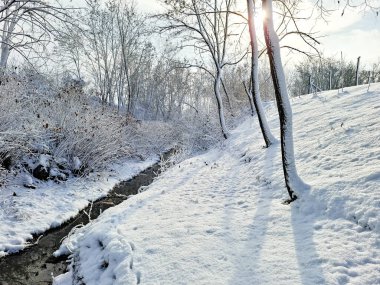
(355,33)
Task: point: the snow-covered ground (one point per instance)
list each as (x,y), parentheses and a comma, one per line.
(33,211)
(218,218)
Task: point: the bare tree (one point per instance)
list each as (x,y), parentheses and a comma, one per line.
(325,7)
(206,27)
(265,130)
(292,180)
(115,51)
(131,27)
(27,25)
(70,49)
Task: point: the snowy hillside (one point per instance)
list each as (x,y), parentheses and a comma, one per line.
(218,218)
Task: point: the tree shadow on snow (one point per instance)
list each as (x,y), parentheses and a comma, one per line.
(251,263)
(304,227)
(250,257)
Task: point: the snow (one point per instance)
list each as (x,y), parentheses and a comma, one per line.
(77,163)
(33,211)
(218,218)
(45,160)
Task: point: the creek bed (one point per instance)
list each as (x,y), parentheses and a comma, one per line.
(36,264)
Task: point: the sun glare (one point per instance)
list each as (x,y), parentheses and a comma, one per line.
(259,17)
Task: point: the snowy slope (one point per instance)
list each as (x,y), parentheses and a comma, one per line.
(218,218)
(33,211)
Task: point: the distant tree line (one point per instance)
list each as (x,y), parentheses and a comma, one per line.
(327,73)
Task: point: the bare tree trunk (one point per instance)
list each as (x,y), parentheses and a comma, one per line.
(228,98)
(249,94)
(310,84)
(217,83)
(8,28)
(283,104)
(265,130)
(4,56)
(330,81)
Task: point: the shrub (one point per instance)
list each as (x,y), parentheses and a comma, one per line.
(62,124)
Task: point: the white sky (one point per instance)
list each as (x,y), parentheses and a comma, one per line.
(355,34)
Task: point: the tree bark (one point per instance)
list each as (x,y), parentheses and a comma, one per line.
(4,56)
(283,103)
(250,99)
(265,130)
(5,45)
(217,82)
(310,84)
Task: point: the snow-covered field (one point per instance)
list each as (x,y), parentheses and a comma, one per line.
(33,211)
(218,218)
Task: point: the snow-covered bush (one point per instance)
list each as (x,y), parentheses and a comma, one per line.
(92,134)
(65,125)
(147,137)
(17,131)
(188,135)
(70,84)
(200,133)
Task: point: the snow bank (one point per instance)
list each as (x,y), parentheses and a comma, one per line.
(24,212)
(218,218)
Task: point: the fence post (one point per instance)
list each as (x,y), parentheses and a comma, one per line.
(369,80)
(357,71)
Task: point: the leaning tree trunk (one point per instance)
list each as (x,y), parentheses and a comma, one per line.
(265,130)
(283,103)
(9,25)
(4,55)
(217,83)
(4,50)
(249,95)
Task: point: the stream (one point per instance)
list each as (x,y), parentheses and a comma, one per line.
(36,264)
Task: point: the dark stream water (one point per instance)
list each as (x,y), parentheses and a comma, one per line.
(35,265)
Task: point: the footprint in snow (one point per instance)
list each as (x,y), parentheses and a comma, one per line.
(138,277)
(211,231)
(131,263)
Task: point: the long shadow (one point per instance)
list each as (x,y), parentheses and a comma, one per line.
(309,269)
(309,263)
(259,226)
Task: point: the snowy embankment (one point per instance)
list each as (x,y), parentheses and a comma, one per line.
(24,212)
(218,218)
